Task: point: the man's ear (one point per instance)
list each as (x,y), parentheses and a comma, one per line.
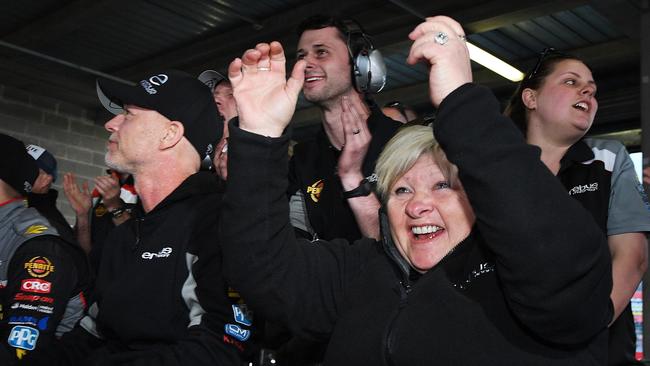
(529,98)
(173,134)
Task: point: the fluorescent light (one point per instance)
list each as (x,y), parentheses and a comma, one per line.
(491,62)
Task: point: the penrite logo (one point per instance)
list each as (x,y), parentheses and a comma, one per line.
(164,253)
(583,188)
(36,285)
(39,267)
(315,189)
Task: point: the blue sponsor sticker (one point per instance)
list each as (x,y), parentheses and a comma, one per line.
(242,314)
(30,320)
(23,337)
(238,332)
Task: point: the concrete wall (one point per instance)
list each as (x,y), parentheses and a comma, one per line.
(66,130)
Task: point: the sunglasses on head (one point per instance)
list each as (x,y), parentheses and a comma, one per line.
(546,52)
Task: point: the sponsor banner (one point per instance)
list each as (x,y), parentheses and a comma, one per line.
(33,298)
(242,314)
(39,308)
(237,332)
(39,267)
(36,285)
(40,323)
(23,337)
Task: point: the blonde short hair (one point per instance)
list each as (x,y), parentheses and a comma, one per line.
(401,153)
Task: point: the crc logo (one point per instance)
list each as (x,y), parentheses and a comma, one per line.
(315,189)
(23,337)
(39,267)
(36,285)
(164,253)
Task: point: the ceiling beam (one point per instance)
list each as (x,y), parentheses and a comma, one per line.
(69,18)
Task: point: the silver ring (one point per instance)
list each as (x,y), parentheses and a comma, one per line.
(356,132)
(263,69)
(441,38)
(462,37)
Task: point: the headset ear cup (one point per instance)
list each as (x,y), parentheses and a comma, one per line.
(377,72)
(362,72)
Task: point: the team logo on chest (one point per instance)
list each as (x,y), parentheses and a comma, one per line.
(163,253)
(315,189)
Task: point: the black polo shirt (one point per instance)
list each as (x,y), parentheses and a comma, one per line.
(601,176)
(312,173)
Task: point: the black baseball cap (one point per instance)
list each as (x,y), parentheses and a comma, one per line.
(211,79)
(17,168)
(44,159)
(174,94)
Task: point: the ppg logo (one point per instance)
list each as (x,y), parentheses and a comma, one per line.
(159,79)
(23,337)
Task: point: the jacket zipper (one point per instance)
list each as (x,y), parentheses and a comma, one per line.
(405,288)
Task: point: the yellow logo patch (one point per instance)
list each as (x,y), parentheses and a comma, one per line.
(39,267)
(20,353)
(315,189)
(35,229)
(100,211)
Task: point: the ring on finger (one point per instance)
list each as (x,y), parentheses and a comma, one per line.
(263,68)
(462,37)
(441,38)
(356,132)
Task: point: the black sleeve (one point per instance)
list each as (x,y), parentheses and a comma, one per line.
(42,278)
(552,258)
(290,281)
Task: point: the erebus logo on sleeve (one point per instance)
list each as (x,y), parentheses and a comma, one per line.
(23,337)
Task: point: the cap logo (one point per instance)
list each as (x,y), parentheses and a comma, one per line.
(159,79)
(156,80)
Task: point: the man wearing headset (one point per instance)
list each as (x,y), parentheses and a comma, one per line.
(331,176)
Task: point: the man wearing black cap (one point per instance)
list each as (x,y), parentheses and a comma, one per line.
(43,197)
(42,277)
(227,107)
(160,297)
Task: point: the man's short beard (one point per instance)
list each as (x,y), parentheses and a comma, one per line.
(116,166)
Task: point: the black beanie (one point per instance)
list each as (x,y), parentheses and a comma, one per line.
(17,168)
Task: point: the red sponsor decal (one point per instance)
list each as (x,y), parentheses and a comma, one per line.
(31,298)
(235,343)
(36,285)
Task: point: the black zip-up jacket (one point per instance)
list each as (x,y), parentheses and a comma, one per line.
(160,298)
(512,293)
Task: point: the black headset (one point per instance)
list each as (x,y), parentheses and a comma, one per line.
(368,67)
